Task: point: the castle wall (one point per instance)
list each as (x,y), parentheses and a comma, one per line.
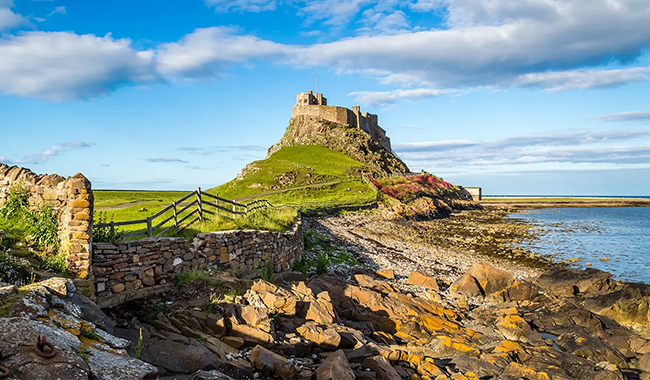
(340,115)
(72,201)
(307,105)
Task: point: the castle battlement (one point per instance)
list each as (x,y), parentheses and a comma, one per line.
(315,105)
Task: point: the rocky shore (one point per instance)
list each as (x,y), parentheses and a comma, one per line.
(394,302)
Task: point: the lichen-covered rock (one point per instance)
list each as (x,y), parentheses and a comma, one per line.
(490,279)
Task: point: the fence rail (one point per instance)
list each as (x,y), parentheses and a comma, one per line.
(182,211)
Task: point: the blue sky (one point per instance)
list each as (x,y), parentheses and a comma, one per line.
(516,96)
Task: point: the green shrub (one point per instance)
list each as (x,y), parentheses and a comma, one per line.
(35,227)
(103,233)
(266,272)
(44,228)
(17,203)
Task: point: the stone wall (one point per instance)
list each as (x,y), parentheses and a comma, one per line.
(248,250)
(71,199)
(134,269)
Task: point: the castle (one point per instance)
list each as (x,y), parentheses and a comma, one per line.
(310,104)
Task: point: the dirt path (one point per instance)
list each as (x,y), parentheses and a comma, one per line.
(284,190)
(120,206)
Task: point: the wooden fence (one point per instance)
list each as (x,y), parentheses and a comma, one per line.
(178,215)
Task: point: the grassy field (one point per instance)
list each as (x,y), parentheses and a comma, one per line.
(299,177)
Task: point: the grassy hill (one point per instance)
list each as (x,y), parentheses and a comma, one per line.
(301,175)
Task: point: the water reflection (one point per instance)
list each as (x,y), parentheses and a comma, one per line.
(616,240)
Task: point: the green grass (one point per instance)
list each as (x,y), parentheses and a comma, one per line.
(107,198)
(153,201)
(304,177)
(269,219)
(197,276)
(303,165)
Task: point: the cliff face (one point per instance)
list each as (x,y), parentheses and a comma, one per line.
(351,141)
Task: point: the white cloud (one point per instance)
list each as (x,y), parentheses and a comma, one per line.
(634,116)
(46,154)
(207,52)
(63,66)
(58,10)
(9,19)
(550,44)
(569,148)
(165,160)
(584,79)
(390,97)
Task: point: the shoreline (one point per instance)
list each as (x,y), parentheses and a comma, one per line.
(560,202)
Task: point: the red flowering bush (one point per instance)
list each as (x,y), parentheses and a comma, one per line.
(407,189)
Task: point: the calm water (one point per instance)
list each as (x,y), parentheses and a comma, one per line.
(621,234)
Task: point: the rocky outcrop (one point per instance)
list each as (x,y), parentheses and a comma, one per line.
(73,326)
(629,306)
(351,141)
(342,327)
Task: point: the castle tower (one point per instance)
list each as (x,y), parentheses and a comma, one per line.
(310,99)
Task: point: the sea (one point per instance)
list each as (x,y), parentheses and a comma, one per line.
(616,239)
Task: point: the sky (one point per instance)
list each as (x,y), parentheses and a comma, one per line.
(538,97)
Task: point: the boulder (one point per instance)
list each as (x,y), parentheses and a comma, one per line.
(489,278)
(514,327)
(644,363)
(325,338)
(276,299)
(629,306)
(388,274)
(321,310)
(570,282)
(335,367)
(382,368)
(421,279)
(174,356)
(18,335)
(272,363)
(518,291)
(587,347)
(466,286)
(237,370)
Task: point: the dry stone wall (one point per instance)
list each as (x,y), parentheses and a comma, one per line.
(134,269)
(71,199)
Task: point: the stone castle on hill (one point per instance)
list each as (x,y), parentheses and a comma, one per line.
(310,104)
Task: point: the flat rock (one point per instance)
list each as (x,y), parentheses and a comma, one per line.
(421,279)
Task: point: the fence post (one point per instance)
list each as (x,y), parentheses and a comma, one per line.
(149,229)
(175,217)
(216,202)
(234,211)
(200,204)
(112,228)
